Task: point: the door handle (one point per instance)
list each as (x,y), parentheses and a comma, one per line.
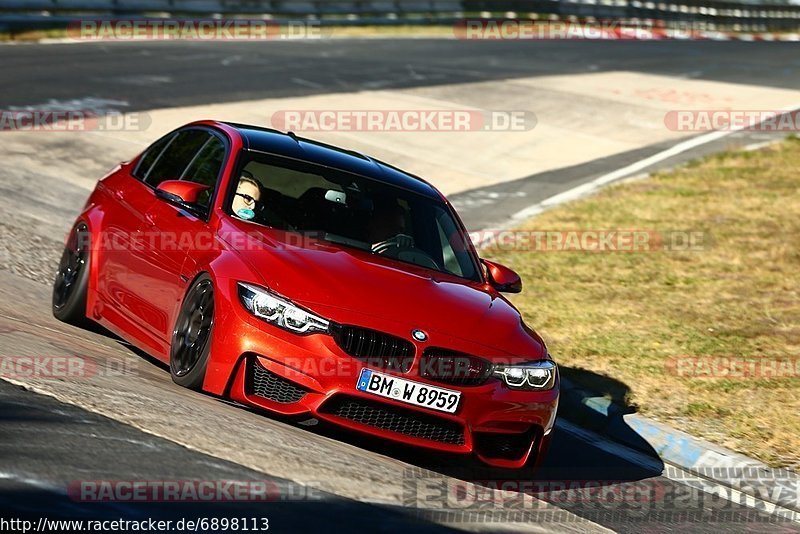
(150,219)
(119,195)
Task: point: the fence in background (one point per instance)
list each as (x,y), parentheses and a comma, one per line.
(737,16)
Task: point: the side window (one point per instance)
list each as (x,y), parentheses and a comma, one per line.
(454,251)
(176,157)
(448,254)
(151,155)
(205,168)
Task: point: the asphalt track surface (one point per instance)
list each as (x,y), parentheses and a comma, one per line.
(165,74)
(46,444)
(162,75)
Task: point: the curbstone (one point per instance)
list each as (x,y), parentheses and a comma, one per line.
(697,456)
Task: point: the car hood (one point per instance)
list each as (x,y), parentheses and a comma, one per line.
(350,285)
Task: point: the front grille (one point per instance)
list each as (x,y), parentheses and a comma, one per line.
(454,368)
(264,383)
(503,446)
(395,419)
(375,348)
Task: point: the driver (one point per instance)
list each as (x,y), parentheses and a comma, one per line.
(247,196)
(388,225)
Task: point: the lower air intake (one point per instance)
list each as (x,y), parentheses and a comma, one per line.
(264,383)
(396,419)
(503,446)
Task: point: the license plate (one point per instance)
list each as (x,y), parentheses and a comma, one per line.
(400,389)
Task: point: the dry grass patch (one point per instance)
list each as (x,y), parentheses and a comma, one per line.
(616,320)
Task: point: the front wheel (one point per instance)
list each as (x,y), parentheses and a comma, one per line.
(72,278)
(191,338)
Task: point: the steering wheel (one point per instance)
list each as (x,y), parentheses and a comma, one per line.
(402,247)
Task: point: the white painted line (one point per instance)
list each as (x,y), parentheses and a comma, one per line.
(306,83)
(755,146)
(592,186)
(600,181)
(313,41)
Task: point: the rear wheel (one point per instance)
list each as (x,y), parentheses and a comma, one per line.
(191,338)
(72,278)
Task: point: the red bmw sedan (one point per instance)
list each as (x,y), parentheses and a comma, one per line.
(308,280)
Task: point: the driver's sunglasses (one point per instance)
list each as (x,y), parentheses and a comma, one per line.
(247,198)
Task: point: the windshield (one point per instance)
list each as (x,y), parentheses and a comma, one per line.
(353,211)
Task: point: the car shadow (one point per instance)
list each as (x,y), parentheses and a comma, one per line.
(97,328)
(583,473)
(573,456)
(576,459)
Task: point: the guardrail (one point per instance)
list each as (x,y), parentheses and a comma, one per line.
(728,15)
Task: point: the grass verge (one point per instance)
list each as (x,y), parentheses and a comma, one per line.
(28,36)
(708,339)
(325,32)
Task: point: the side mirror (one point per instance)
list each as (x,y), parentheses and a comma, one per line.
(180,191)
(502,278)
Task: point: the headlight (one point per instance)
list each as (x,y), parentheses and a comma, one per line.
(279,311)
(538,375)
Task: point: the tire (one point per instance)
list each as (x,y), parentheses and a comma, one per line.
(72,278)
(191,337)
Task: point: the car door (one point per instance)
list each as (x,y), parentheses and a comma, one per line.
(178,234)
(130,199)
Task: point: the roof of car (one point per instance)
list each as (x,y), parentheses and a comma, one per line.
(290,145)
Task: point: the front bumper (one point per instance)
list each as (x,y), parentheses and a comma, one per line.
(262,366)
